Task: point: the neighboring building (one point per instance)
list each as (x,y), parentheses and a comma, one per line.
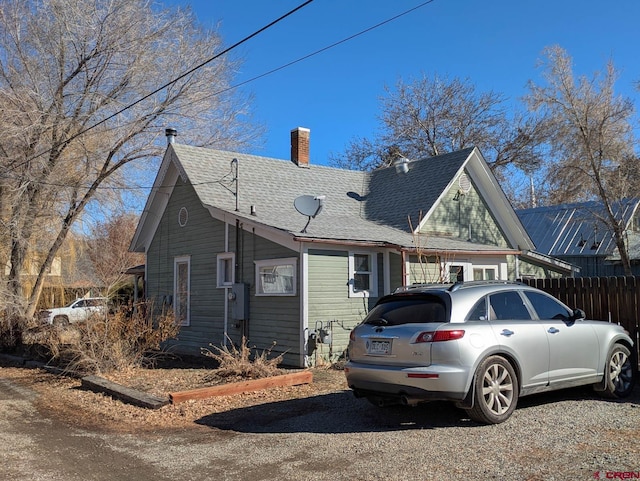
(227,247)
(576,234)
(69,277)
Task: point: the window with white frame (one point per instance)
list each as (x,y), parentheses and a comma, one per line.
(485,273)
(363,268)
(276,277)
(226,269)
(182,289)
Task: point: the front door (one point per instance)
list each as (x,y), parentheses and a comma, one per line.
(522,336)
(567,365)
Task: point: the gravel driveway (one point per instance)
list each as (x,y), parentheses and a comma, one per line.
(568,435)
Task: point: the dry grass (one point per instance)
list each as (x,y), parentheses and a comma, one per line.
(63,397)
(115,342)
(244,361)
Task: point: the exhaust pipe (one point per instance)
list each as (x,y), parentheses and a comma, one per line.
(409,401)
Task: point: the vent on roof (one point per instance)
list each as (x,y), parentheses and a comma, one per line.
(171,135)
(401,164)
(582,242)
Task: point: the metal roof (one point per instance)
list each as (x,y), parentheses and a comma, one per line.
(574,229)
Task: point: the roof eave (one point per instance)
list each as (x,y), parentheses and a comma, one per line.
(550,261)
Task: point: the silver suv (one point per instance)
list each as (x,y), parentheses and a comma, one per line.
(483,345)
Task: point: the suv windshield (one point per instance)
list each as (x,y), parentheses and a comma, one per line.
(408,310)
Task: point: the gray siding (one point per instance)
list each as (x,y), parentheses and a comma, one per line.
(425,272)
(202,238)
(271,318)
(395,271)
(466,217)
(329,305)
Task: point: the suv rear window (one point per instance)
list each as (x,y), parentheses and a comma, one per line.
(407,311)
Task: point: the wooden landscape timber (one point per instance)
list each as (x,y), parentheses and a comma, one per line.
(295,379)
(125,394)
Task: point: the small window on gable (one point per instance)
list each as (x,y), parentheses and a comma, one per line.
(226,269)
(363,280)
(276,277)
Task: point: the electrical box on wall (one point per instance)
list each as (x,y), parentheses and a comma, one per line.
(239,301)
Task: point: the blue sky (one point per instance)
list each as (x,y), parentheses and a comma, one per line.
(495,44)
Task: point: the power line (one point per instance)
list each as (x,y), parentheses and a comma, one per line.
(168,84)
(235,86)
(335,44)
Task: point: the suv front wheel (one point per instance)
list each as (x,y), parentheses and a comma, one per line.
(495,391)
(61,321)
(619,372)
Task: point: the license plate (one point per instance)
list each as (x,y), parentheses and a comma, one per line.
(379,347)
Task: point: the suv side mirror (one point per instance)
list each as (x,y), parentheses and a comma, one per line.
(578,314)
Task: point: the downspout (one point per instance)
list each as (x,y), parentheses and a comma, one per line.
(304,307)
(403,255)
(226,291)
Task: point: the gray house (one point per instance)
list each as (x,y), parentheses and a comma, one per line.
(577,234)
(285,251)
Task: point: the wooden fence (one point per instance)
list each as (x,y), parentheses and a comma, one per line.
(613,299)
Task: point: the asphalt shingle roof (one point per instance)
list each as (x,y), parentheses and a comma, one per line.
(359,206)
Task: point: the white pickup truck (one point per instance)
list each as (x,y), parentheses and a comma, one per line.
(78,311)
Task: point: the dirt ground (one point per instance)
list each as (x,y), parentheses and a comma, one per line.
(65,397)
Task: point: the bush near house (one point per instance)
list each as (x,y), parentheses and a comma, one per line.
(115,342)
(242,361)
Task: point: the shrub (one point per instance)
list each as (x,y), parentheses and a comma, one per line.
(115,342)
(242,361)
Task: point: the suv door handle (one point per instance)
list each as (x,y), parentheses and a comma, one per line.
(507,333)
(553,330)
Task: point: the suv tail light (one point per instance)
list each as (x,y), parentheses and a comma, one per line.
(438,336)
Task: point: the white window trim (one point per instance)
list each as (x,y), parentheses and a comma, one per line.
(179,260)
(220,269)
(490,267)
(277,262)
(373,281)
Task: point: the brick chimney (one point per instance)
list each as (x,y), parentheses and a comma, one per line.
(300,146)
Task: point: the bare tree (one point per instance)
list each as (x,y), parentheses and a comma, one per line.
(67,70)
(590,137)
(108,249)
(432,116)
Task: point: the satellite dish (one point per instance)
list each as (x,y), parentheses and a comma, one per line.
(309,205)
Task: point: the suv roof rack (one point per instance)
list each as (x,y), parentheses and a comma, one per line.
(430,285)
(451,287)
(460,284)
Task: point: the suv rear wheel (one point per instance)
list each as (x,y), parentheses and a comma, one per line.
(495,391)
